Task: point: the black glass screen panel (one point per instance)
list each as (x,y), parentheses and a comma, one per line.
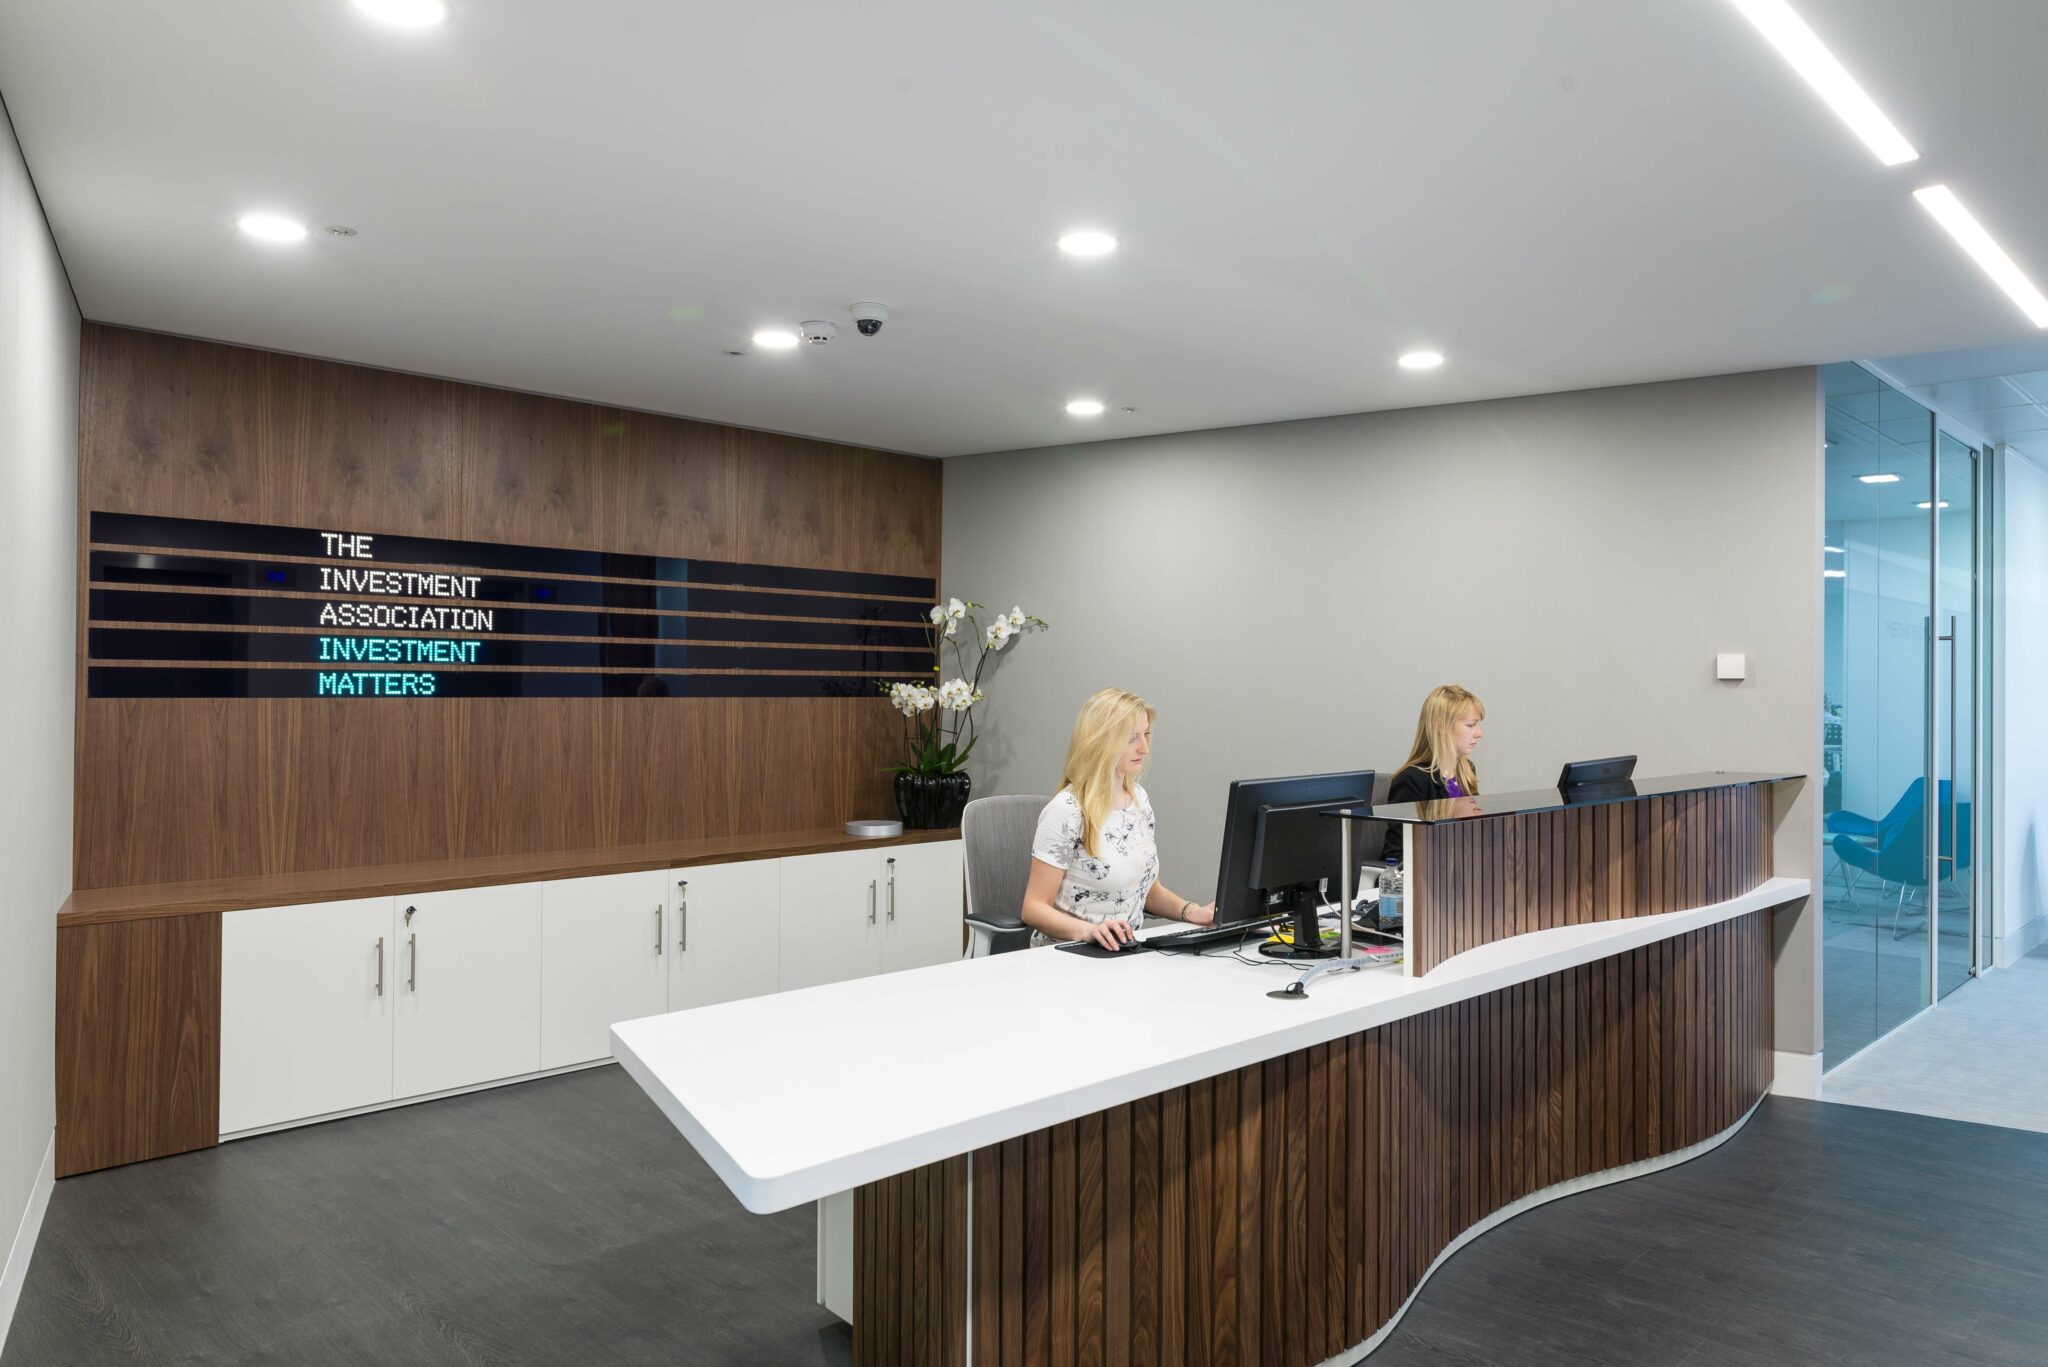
(355,614)
(368,580)
(116,681)
(343,650)
(259,539)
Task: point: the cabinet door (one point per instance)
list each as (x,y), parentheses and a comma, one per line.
(923,904)
(603,958)
(831,917)
(305,1011)
(725,933)
(467,1003)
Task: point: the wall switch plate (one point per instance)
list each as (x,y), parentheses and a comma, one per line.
(1731,667)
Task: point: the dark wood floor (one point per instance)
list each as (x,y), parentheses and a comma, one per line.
(564,1221)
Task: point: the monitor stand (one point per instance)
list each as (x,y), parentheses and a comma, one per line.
(1299,904)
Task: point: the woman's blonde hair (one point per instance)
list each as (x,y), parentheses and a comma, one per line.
(1101,734)
(1434,750)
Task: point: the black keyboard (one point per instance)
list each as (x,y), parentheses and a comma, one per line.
(1193,938)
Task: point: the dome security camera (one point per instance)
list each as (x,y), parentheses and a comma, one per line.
(869,317)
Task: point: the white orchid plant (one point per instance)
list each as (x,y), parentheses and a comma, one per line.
(938,717)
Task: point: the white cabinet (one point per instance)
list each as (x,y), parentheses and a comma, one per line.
(725,937)
(604,956)
(467,1006)
(336,1006)
(923,904)
(305,1011)
(857,912)
(831,917)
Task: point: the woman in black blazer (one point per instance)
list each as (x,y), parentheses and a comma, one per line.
(1439,764)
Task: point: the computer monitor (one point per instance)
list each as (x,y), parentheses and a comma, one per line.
(1583,776)
(1278,846)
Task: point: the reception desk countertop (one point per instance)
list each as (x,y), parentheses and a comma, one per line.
(800,1095)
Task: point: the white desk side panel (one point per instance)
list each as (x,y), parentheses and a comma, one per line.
(604,945)
(467,1009)
(725,933)
(303,1030)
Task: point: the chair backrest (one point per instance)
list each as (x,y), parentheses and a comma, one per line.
(995,833)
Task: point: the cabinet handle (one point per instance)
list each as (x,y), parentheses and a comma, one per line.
(380,965)
(871,901)
(892,890)
(412,963)
(682,916)
(658,951)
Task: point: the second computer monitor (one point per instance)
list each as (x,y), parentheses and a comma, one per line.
(1592,776)
(1292,809)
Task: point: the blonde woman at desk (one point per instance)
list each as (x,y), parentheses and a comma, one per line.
(1094,863)
(1439,764)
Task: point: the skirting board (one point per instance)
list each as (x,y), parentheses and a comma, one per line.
(1795,1075)
(2018,944)
(15,1275)
(376,1106)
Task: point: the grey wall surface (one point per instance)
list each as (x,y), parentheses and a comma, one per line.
(1286,594)
(38,621)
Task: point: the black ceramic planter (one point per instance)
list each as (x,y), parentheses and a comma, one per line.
(930,802)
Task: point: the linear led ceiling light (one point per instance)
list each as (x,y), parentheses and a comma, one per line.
(1879,479)
(1969,234)
(1421,360)
(1085,408)
(1781,25)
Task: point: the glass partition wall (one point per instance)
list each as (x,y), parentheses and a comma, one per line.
(1900,590)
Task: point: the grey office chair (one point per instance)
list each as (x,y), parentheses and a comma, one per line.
(996,833)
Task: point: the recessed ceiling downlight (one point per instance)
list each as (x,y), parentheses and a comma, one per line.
(405,13)
(1088,242)
(775,339)
(1422,360)
(272,227)
(1085,408)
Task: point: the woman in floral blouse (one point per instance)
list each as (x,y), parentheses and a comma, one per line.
(1094,863)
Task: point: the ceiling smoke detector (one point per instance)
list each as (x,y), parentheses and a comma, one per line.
(818,331)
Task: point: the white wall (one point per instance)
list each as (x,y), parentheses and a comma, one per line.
(2021,662)
(1285,595)
(38,622)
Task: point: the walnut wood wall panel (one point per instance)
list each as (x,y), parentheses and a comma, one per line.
(138,1040)
(176,790)
(1481,880)
(1282,1214)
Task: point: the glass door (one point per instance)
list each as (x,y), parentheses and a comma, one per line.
(1877,592)
(1951,906)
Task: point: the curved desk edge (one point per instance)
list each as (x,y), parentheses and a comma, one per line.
(666,1054)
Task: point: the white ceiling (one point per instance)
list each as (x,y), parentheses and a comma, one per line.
(596,199)
(1999,393)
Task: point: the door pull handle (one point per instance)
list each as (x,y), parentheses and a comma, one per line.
(412,962)
(658,950)
(892,890)
(682,915)
(871,901)
(380,965)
